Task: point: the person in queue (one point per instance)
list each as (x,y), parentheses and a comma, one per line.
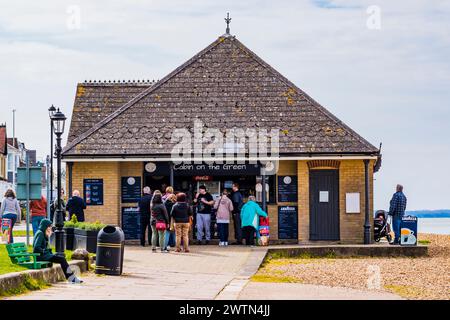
(250,220)
(182,215)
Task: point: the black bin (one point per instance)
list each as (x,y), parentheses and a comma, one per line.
(110,250)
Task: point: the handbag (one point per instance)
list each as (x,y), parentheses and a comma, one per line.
(161,225)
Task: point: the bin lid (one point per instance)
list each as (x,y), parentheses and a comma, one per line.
(111,234)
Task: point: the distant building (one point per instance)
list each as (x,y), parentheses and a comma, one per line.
(17,155)
(3,158)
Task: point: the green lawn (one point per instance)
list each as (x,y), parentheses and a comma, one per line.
(6,266)
(22,233)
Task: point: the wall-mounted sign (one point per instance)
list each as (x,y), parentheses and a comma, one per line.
(201,169)
(287,222)
(131,223)
(93,192)
(352,202)
(131,189)
(323,196)
(287,189)
(203,178)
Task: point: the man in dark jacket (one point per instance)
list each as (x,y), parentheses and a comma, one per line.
(238,202)
(397,211)
(144,215)
(76,206)
(41,246)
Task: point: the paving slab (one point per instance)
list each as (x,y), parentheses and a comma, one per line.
(298,291)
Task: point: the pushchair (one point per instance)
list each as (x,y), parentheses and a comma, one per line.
(381,226)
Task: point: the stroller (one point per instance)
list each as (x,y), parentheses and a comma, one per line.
(381,226)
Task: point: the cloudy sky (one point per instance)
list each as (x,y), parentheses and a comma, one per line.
(381,66)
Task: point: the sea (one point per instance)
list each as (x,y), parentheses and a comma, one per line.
(434,225)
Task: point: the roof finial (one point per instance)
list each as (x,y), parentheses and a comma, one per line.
(228,20)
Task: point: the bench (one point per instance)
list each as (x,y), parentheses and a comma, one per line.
(19,254)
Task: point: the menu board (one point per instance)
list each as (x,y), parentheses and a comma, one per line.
(131,223)
(287,189)
(287,222)
(93,192)
(131,189)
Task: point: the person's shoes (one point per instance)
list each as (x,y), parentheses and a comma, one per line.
(236,243)
(75,280)
(168,248)
(153,249)
(225,243)
(198,242)
(186,251)
(165,251)
(207,242)
(178,250)
(221,244)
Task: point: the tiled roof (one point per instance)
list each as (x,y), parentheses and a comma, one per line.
(3,140)
(225,85)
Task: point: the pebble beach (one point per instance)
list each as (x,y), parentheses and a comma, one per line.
(410,278)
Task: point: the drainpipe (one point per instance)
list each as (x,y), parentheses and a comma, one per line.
(171,174)
(367,218)
(69,173)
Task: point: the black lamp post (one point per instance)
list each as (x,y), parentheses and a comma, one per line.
(51,112)
(58,121)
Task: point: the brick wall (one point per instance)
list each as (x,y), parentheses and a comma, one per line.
(110,173)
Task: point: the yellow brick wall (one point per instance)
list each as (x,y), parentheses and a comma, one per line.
(110,173)
(351,179)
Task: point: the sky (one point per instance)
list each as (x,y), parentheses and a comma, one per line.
(382,67)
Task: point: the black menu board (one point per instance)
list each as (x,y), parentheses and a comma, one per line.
(131,223)
(287,222)
(287,189)
(93,192)
(131,189)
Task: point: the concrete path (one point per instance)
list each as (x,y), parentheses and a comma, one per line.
(201,274)
(298,291)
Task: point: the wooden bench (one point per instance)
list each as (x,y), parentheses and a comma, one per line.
(19,254)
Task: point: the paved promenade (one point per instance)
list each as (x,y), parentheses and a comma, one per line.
(201,274)
(208,272)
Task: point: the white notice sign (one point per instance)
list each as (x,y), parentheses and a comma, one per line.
(323,196)
(352,202)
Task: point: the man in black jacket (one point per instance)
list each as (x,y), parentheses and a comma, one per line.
(144,215)
(238,202)
(76,206)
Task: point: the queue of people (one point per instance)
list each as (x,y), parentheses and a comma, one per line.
(167,218)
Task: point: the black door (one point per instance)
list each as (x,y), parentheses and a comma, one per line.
(324,204)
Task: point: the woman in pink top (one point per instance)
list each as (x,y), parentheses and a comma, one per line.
(224,208)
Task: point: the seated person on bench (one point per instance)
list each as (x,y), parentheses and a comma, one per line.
(41,246)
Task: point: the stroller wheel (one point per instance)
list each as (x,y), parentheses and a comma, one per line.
(377,239)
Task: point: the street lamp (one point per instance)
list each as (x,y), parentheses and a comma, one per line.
(51,112)
(58,121)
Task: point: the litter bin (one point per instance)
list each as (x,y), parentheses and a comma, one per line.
(110,250)
(408,231)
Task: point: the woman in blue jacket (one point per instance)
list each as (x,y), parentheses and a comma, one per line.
(250,213)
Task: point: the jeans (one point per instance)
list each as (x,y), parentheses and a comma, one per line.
(145,224)
(158,235)
(182,234)
(203,222)
(169,239)
(237,227)
(248,232)
(396,219)
(13,218)
(222,228)
(35,222)
(64,265)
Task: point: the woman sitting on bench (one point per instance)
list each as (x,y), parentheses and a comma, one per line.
(41,246)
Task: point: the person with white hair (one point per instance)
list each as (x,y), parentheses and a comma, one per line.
(76,206)
(397,211)
(144,215)
(250,213)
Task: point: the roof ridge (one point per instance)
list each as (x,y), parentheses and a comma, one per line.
(307,96)
(144,93)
